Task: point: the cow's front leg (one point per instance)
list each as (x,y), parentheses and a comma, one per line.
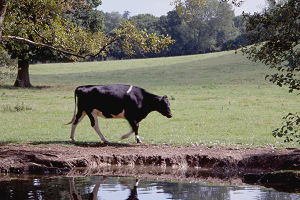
(94,124)
(79,116)
(135,127)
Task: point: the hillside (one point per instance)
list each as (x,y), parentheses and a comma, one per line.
(216,99)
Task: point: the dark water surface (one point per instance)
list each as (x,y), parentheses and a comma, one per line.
(110,188)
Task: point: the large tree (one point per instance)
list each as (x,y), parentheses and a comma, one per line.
(204,31)
(45,25)
(186,8)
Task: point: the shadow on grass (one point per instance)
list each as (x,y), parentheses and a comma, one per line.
(11,87)
(83,144)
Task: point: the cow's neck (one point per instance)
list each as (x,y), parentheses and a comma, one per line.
(152,102)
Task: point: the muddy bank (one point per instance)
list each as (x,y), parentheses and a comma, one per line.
(57,159)
(192,163)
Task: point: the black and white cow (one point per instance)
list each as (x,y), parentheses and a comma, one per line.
(116,101)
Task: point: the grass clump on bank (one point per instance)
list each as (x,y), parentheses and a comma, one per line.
(216,99)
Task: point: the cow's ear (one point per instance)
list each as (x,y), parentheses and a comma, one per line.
(165,97)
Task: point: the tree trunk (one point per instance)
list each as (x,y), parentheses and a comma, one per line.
(23,74)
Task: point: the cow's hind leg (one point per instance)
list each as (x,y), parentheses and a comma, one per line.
(79,116)
(135,127)
(127,135)
(95,125)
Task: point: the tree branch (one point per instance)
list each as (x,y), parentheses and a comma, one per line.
(5,38)
(42,45)
(49,42)
(105,46)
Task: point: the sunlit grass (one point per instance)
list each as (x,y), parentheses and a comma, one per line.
(217,99)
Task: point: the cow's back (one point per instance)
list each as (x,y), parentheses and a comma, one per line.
(111,99)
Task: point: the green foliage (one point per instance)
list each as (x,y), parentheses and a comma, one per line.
(95,3)
(187,8)
(241,39)
(7,66)
(87,18)
(112,21)
(41,21)
(145,22)
(129,37)
(275,35)
(5,59)
(290,128)
(44,22)
(205,31)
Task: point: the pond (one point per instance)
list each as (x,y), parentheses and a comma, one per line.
(109,188)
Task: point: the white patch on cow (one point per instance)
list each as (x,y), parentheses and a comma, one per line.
(121,115)
(129,90)
(136,182)
(137,138)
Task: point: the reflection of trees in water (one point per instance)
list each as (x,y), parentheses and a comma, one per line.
(271,195)
(199,191)
(33,189)
(89,188)
(195,191)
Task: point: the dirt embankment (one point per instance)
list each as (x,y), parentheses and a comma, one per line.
(52,158)
(192,163)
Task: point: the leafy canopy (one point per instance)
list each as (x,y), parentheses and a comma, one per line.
(44,23)
(187,8)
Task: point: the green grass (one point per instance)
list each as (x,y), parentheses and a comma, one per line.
(219,99)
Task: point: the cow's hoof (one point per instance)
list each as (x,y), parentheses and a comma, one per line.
(138,140)
(105,142)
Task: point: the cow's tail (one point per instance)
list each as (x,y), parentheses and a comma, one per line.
(74,115)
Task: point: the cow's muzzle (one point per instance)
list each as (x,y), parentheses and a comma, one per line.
(169,115)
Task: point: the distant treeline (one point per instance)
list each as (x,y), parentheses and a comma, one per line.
(212,28)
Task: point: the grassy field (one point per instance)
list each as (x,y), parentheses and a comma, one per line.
(217,99)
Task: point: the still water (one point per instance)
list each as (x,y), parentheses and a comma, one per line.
(110,188)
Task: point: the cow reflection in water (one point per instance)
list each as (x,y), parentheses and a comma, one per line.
(133,192)
(94,194)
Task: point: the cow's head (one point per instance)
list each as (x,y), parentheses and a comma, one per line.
(164,107)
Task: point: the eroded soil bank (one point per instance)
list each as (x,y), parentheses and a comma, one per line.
(251,165)
(62,158)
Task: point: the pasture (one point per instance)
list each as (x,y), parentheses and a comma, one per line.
(216,99)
